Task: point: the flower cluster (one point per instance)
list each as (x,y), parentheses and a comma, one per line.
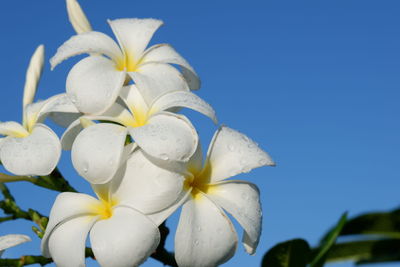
(142,158)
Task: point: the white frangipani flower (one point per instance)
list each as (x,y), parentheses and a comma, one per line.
(120,233)
(205,236)
(33,148)
(12,240)
(97,150)
(94,83)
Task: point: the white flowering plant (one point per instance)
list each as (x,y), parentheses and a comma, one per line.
(141,156)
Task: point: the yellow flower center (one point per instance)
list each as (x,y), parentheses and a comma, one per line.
(104,208)
(128,63)
(200,182)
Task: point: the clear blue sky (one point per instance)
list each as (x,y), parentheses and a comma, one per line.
(315,83)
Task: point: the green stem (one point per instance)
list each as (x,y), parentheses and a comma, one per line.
(54,181)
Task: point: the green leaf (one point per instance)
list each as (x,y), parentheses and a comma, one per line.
(383,223)
(368,251)
(293,253)
(327,242)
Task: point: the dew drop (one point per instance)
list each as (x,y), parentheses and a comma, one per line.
(85,167)
(245,196)
(250,145)
(164,156)
(111,162)
(196,242)
(199,229)
(231,147)
(246,169)
(262,161)
(25,147)
(73,99)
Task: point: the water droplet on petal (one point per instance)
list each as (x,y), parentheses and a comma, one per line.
(85,167)
(199,229)
(231,147)
(243,161)
(246,169)
(111,162)
(163,138)
(245,196)
(25,147)
(262,161)
(73,99)
(164,156)
(196,242)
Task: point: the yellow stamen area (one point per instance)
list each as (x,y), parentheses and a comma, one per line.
(104,208)
(200,183)
(140,117)
(128,63)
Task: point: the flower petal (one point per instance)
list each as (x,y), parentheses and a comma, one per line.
(93,84)
(90,42)
(58,107)
(145,186)
(128,238)
(134,34)
(97,151)
(155,79)
(232,152)
(8,241)
(183,99)
(116,113)
(67,241)
(77,17)
(12,128)
(167,136)
(67,205)
(205,236)
(33,75)
(159,217)
(242,200)
(36,154)
(133,99)
(164,53)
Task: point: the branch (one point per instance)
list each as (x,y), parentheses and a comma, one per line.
(54,181)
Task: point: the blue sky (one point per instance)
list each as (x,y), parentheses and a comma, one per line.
(315,83)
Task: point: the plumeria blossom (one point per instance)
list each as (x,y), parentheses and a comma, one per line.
(205,235)
(94,83)
(120,232)
(12,240)
(32,148)
(97,150)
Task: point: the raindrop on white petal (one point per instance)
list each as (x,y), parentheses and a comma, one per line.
(73,99)
(246,169)
(25,147)
(250,145)
(196,242)
(243,161)
(262,161)
(85,167)
(111,162)
(164,156)
(245,196)
(199,229)
(231,147)
(163,138)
